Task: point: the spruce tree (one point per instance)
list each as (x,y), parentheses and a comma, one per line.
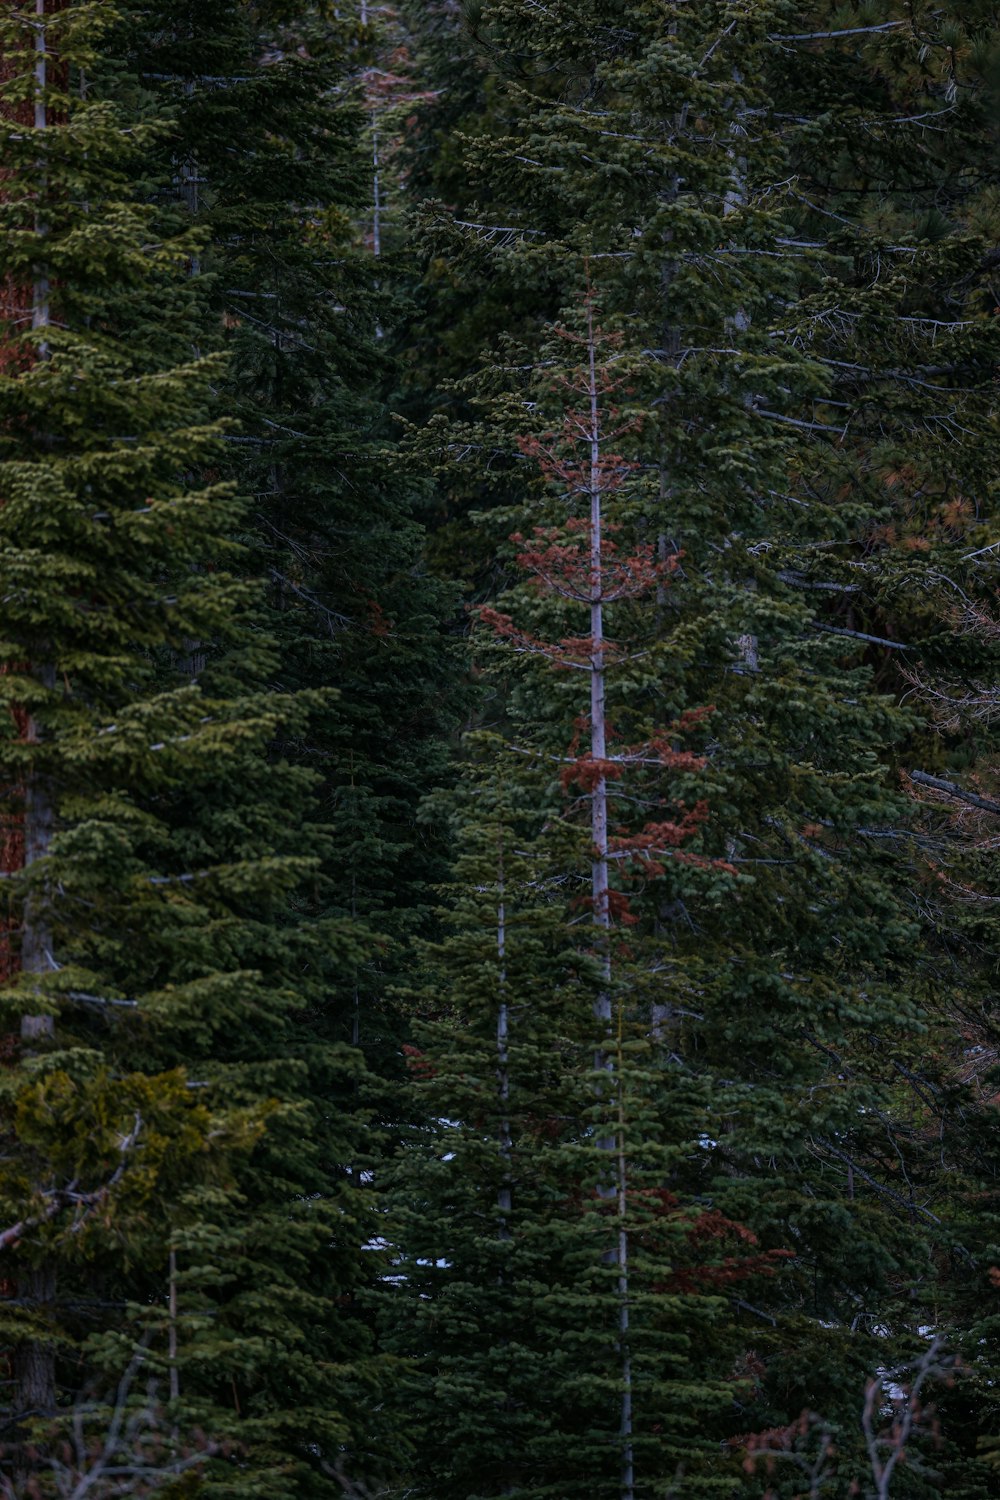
(911,168)
(286,283)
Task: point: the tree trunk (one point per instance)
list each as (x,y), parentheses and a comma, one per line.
(34,1360)
(36,940)
(600,895)
(504,1202)
(175,1378)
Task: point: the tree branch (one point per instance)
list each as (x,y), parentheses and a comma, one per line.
(940,785)
(822,36)
(907,1412)
(862,635)
(57,1198)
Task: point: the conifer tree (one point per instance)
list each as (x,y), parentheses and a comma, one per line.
(912,170)
(306,312)
(603,1364)
(175,1176)
(285,282)
(657,148)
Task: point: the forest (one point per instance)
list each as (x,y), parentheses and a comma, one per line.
(499,749)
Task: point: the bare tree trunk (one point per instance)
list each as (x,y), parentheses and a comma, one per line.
(600,895)
(504,1195)
(34,1359)
(735,199)
(504,1202)
(175,1377)
(36,942)
(598,714)
(36,939)
(376,191)
(356,1006)
(40,291)
(628,1459)
(377,203)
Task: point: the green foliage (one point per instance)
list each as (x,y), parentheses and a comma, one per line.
(182,736)
(809,343)
(230,666)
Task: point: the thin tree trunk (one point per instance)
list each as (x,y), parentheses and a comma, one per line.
(36,942)
(598,720)
(600,895)
(356,1006)
(175,1379)
(34,1360)
(735,199)
(377,204)
(504,1195)
(376,191)
(40,292)
(504,1202)
(36,939)
(628,1460)
(188,180)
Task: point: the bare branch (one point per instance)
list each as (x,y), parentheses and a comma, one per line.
(906,1415)
(57,1198)
(940,785)
(862,635)
(797,581)
(822,36)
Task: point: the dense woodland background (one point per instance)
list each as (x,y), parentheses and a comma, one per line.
(500,793)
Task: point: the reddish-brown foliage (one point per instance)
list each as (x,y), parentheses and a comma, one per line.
(418,1063)
(704,1232)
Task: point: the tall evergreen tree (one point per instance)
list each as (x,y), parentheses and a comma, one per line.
(659,147)
(305,311)
(180,1170)
(603,1364)
(912,168)
(286,282)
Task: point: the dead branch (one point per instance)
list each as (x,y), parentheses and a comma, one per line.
(57,1198)
(121,1449)
(887,1449)
(940,785)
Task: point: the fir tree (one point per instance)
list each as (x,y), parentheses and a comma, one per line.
(177,951)
(306,311)
(654,149)
(911,171)
(287,283)
(604,1363)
